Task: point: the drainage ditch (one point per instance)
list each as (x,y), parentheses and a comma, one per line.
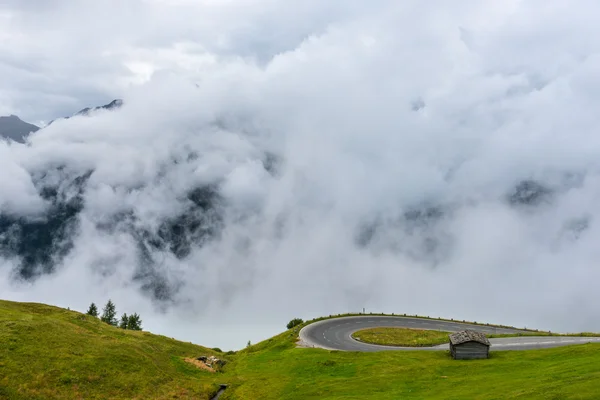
(219,392)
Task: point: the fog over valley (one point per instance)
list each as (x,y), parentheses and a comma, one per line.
(272,160)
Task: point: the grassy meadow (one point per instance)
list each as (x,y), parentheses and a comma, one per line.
(51,353)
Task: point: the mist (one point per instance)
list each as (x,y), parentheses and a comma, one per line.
(438,160)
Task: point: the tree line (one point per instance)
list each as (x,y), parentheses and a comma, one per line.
(109,315)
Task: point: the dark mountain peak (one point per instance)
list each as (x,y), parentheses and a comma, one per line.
(117,103)
(114,104)
(12,118)
(14,128)
(85,111)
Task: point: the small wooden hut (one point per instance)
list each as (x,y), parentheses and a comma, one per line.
(469,345)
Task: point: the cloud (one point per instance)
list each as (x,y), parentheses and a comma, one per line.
(439,160)
(61,56)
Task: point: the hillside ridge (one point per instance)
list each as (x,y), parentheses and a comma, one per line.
(47,352)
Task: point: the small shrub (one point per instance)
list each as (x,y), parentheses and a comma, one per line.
(218,350)
(294,322)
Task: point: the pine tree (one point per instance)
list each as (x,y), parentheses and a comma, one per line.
(134,323)
(124,322)
(109,313)
(93,310)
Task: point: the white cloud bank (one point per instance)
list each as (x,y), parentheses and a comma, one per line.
(374,111)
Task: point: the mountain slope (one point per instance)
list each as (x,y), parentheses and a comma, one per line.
(51,353)
(115,104)
(12,127)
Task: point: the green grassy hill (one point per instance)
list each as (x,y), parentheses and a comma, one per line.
(275,369)
(51,353)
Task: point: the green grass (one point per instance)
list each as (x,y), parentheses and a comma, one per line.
(401,337)
(51,353)
(275,369)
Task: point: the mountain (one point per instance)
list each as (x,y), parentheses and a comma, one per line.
(12,127)
(115,104)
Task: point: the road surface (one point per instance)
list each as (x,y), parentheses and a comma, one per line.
(336,334)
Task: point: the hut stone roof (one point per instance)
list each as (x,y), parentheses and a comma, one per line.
(468,336)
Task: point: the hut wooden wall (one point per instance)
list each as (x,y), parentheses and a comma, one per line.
(469,351)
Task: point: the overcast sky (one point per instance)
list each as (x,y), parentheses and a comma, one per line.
(58,56)
(375,108)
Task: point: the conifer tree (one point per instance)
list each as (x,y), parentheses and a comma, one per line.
(124,322)
(109,314)
(134,323)
(93,310)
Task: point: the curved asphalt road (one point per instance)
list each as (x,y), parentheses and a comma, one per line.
(336,334)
